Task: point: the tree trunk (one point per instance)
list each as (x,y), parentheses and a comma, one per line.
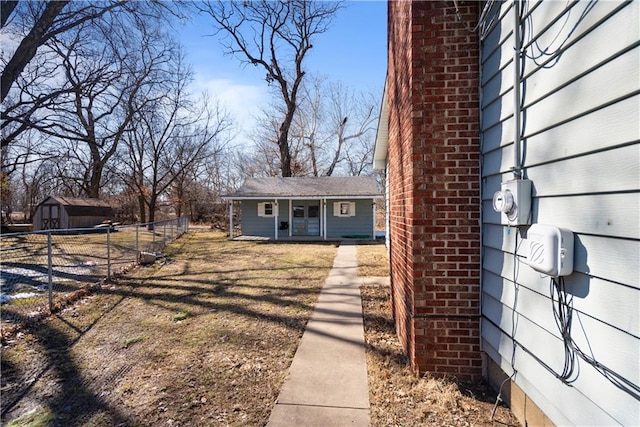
(152,211)
(283,141)
(93,189)
(142,203)
(28,46)
(285,154)
(7,9)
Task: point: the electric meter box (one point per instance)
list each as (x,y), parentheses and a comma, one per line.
(513,201)
(550,250)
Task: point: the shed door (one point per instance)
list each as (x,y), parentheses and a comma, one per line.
(50,217)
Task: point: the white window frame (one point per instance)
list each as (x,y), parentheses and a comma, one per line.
(344,209)
(262,209)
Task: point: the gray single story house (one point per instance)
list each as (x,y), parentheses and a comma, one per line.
(58,212)
(310,207)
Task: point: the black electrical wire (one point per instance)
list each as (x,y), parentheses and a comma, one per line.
(563,314)
(562,306)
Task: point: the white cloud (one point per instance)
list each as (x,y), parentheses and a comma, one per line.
(242,101)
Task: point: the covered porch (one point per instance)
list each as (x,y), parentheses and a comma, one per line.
(305,208)
(302,219)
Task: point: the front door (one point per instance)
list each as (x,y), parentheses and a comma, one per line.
(306,218)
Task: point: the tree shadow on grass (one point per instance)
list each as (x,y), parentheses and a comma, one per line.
(66,398)
(63,390)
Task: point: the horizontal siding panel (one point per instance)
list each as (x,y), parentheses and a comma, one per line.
(499,40)
(584,55)
(612,215)
(593,401)
(497,112)
(597,257)
(612,259)
(499,237)
(497,136)
(572,21)
(497,73)
(254,225)
(492,334)
(614,80)
(611,126)
(576,28)
(589,174)
(604,128)
(594,298)
(609,346)
(581,149)
(361,224)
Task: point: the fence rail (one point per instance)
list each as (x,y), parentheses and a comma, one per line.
(43,269)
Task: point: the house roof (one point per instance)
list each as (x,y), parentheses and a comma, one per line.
(81,207)
(307,187)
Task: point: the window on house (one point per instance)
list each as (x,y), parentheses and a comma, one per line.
(267,209)
(344,209)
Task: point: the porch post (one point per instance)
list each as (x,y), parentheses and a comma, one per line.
(373,234)
(320,218)
(276,217)
(324,218)
(290,218)
(231,220)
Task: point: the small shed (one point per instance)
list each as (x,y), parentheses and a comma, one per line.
(58,212)
(307,207)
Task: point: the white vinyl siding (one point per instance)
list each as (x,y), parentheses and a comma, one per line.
(359,225)
(581,148)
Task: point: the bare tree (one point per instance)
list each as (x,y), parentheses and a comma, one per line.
(277,36)
(308,123)
(263,158)
(28,26)
(105,71)
(352,119)
(333,129)
(170,140)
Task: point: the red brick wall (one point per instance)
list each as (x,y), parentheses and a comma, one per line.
(434,183)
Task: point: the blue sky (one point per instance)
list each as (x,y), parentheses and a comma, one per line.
(352,51)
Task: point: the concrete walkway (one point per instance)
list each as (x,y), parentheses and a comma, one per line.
(327,383)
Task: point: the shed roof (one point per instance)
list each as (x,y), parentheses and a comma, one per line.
(81,207)
(311,187)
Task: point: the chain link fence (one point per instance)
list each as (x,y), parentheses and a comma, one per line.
(42,270)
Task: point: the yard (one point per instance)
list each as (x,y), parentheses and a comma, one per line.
(205,337)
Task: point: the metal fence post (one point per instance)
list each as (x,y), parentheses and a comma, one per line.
(108,253)
(50,270)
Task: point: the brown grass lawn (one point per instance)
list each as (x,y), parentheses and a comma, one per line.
(205,337)
(397,396)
